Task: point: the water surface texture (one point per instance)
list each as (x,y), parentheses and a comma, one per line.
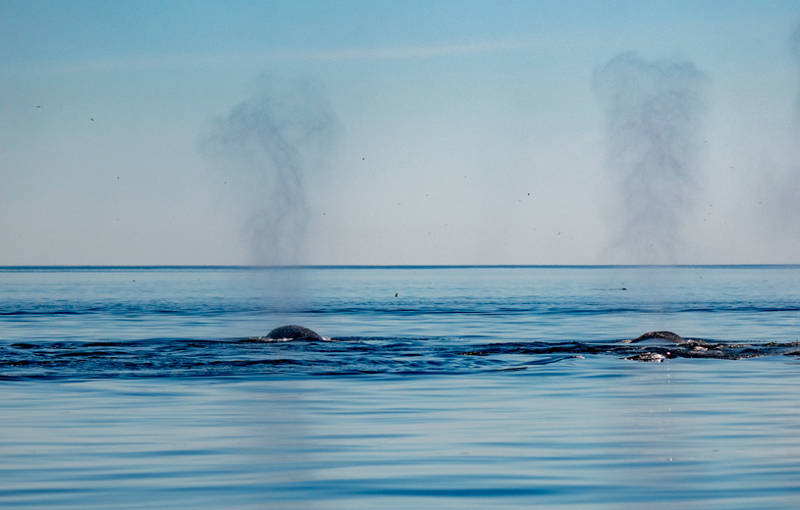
(451,387)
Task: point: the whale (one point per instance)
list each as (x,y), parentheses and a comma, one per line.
(293,332)
(690,343)
(664,335)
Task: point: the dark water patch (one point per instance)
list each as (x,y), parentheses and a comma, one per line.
(346,356)
(470,307)
(12,313)
(465,492)
(92,354)
(132,308)
(465,306)
(254,362)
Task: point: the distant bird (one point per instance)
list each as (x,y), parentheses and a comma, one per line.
(91,118)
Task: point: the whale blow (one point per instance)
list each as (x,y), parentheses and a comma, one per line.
(293,332)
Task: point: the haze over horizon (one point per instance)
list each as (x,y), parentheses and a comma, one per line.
(185,133)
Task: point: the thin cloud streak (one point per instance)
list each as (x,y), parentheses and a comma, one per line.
(157,62)
(413,52)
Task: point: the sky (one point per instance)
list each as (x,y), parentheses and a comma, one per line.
(415,132)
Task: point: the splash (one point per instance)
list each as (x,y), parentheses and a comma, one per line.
(653,124)
(268,147)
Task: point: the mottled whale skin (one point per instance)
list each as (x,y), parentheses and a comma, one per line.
(293,332)
(665,335)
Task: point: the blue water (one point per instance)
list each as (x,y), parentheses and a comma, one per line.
(449,387)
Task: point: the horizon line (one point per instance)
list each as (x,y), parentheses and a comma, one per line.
(377,266)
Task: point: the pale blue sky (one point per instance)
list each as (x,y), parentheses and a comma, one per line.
(448,115)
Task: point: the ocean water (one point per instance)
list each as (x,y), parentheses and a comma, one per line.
(456,387)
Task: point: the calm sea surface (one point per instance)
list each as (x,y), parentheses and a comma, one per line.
(476,387)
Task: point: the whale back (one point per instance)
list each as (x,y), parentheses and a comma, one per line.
(293,332)
(665,335)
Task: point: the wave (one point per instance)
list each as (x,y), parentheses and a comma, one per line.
(547,310)
(433,309)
